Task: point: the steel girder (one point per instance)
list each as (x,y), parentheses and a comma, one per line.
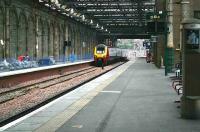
(115,15)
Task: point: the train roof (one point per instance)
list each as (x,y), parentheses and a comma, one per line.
(101,45)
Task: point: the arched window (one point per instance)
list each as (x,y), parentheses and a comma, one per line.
(39,47)
(73,41)
(13,35)
(46,38)
(51,39)
(1,34)
(70,39)
(56,42)
(85,42)
(79,45)
(62,36)
(76,45)
(22,44)
(31,38)
(82,43)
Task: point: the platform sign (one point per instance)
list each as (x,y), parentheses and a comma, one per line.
(147,45)
(156,22)
(192,39)
(67,43)
(153,15)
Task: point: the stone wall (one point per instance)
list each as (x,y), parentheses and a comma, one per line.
(177,18)
(176,29)
(26,27)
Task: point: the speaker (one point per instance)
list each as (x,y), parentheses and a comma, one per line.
(67,43)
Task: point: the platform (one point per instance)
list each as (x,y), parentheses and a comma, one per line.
(29,70)
(135,97)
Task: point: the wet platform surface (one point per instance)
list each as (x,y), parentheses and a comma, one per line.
(135,97)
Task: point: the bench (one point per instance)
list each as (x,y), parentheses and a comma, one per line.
(177,86)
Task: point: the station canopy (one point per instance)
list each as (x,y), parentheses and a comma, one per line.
(107,16)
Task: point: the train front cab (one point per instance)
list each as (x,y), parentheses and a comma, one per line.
(101,55)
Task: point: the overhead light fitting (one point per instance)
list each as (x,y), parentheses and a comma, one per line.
(47,5)
(2,43)
(160,12)
(185,2)
(83,17)
(63,9)
(72,11)
(91,21)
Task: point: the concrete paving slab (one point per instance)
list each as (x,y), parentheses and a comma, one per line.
(24,127)
(36,120)
(46,114)
(145,104)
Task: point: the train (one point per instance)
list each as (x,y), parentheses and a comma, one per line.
(105,55)
(101,54)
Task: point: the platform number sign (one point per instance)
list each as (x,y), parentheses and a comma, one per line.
(147,45)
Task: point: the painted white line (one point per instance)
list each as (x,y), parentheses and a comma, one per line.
(111,92)
(77,126)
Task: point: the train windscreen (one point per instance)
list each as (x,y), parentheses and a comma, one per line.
(100,50)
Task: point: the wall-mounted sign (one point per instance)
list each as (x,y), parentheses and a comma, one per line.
(67,43)
(192,38)
(154,39)
(155,15)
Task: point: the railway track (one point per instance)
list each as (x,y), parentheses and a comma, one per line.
(59,85)
(22,90)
